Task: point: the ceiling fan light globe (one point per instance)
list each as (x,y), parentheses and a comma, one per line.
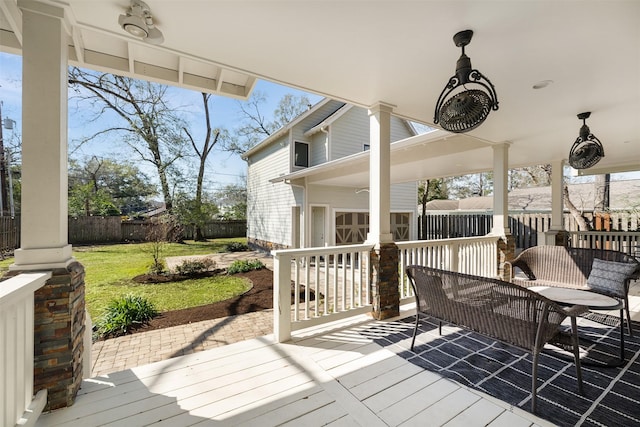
(133,25)
(136,31)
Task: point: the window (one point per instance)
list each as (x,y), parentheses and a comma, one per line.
(301,154)
(365,147)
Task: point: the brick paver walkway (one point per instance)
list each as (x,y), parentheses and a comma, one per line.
(129,351)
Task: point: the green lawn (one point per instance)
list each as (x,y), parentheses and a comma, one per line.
(110,268)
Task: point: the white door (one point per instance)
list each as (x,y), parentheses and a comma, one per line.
(317,226)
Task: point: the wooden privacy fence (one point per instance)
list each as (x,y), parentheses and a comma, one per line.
(113,229)
(9,235)
(219,229)
(524,226)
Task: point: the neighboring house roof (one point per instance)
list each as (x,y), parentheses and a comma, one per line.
(622,194)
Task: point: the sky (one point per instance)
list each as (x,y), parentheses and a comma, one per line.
(223,168)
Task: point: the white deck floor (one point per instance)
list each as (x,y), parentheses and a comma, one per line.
(325,377)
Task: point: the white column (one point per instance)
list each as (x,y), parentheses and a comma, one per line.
(380,174)
(500,190)
(44,243)
(557,195)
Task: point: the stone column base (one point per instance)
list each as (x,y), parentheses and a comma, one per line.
(554,238)
(385,294)
(59,326)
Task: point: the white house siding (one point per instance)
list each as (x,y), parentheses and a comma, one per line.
(319,149)
(269,205)
(404,197)
(351,132)
(344,199)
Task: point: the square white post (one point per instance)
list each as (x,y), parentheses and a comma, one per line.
(500,190)
(380,174)
(44,222)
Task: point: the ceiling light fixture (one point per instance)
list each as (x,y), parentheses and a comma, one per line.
(138,22)
(467,109)
(587,150)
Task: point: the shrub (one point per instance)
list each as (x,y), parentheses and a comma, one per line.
(236,247)
(195,266)
(157,267)
(124,313)
(242,266)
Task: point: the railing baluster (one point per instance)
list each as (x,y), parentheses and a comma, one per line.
(307,287)
(296,291)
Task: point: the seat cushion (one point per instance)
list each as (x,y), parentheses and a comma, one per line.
(609,276)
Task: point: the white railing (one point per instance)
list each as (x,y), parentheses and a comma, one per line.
(623,241)
(469,255)
(318,285)
(18,406)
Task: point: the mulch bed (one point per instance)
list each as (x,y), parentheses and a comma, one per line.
(259,297)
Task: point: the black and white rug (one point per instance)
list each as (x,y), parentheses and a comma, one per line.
(611,394)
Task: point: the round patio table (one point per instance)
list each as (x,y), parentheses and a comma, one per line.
(592,300)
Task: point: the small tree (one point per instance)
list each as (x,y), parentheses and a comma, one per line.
(194,212)
(162,230)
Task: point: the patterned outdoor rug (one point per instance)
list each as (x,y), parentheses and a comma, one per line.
(611,394)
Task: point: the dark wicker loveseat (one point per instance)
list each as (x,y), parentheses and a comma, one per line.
(492,307)
(572,268)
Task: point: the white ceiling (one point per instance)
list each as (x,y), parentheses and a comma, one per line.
(397,52)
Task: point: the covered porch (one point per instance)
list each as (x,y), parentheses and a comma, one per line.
(390,57)
(336,374)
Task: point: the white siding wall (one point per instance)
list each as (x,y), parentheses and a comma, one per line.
(319,148)
(404,197)
(399,129)
(349,133)
(341,199)
(269,205)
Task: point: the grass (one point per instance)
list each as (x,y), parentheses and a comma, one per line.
(110,269)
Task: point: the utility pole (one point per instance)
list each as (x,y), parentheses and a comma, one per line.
(4,200)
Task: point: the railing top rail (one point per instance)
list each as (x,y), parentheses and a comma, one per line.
(440,242)
(15,288)
(606,233)
(326,250)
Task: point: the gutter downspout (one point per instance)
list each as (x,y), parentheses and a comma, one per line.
(325,130)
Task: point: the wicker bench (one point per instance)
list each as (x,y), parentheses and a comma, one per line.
(572,268)
(492,307)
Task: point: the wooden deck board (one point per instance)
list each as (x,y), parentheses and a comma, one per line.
(445,409)
(338,378)
(482,412)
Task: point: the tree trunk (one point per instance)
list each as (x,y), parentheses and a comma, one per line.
(583,224)
(602,200)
